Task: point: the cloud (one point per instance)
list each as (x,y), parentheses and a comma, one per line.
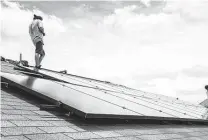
(197,71)
(190,10)
(125,45)
(183,86)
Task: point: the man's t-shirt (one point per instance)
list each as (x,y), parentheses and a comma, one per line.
(34,31)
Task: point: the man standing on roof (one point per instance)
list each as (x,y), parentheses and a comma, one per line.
(36,31)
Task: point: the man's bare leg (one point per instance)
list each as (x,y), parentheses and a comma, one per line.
(41,58)
(37,59)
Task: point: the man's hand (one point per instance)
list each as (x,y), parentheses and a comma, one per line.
(41,29)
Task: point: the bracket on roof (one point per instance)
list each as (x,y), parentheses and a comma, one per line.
(63,71)
(70,113)
(55,107)
(4,84)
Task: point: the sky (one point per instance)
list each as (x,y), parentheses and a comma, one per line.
(156,46)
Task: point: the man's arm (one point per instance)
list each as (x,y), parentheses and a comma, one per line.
(40,27)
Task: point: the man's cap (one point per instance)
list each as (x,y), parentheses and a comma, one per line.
(37,17)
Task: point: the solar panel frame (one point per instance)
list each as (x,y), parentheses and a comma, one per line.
(94,115)
(86,116)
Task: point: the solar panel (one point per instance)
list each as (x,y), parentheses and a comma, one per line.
(99,98)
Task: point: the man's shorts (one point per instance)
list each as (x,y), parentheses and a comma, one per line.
(39,48)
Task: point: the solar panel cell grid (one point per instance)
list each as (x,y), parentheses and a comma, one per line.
(104,98)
